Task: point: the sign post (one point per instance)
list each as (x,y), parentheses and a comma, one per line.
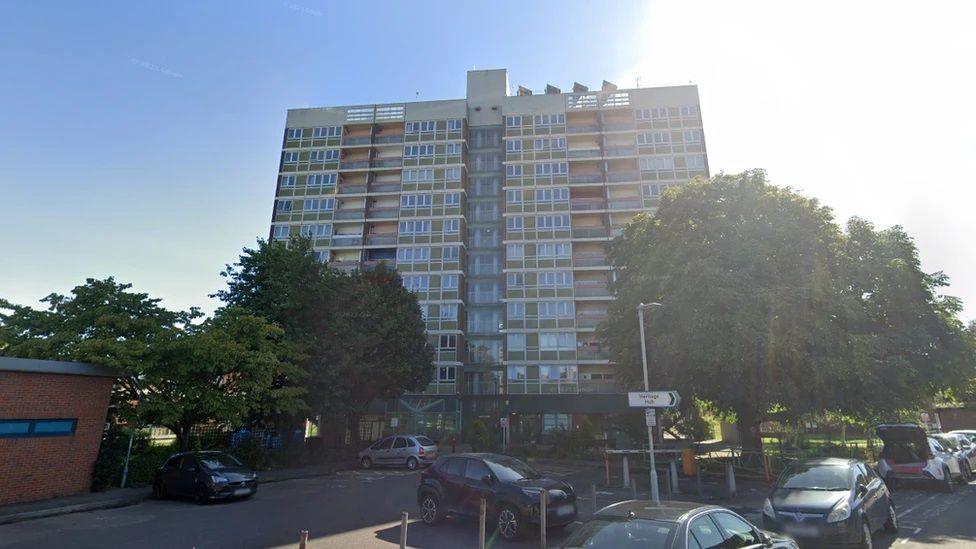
(650,418)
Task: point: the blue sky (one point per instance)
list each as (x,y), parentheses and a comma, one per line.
(140,139)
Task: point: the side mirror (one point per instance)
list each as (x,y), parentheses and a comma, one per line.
(862,490)
(765,539)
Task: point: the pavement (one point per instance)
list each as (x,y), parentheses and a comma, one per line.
(353,508)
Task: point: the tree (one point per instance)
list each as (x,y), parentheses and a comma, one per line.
(752,314)
(172,372)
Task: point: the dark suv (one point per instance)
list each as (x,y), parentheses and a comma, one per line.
(455,485)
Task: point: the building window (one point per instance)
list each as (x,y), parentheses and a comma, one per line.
(452,148)
(413,151)
(322,180)
(413,255)
(552,168)
(419,226)
(446,374)
(557,341)
(513,146)
(452,199)
(288,180)
(513,121)
(316,231)
(447,342)
(556,194)
(553,250)
(549,119)
(556,422)
(324,155)
(281,232)
(657,163)
(689,110)
(515,223)
(555,279)
(513,170)
(416,283)
(451,253)
(653,138)
(417,127)
(449,282)
(452,174)
(452,226)
(692,136)
(26,428)
(291,157)
(556,309)
(293,133)
(515,280)
(328,131)
(552,222)
(284,206)
(696,162)
(319,204)
(513,196)
(454,124)
(515,251)
(416,200)
(424,174)
(516,310)
(515,342)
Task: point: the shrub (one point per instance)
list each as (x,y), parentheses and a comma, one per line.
(145,458)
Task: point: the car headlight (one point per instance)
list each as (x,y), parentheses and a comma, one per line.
(841,511)
(555,493)
(768,509)
(532,492)
(218,479)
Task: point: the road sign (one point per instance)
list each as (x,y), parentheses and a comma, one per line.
(504,422)
(653,399)
(650,417)
(394,422)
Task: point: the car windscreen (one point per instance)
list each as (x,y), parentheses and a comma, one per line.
(218,461)
(424,441)
(816,477)
(949,443)
(511,469)
(642,533)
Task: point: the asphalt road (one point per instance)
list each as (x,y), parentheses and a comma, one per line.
(362,509)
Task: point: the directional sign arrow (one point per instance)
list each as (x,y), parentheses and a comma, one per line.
(653,399)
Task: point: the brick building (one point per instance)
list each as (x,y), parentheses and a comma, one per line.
(51,419)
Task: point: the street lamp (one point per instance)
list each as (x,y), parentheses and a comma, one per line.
(655,496)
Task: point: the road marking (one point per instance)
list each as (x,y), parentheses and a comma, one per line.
(916,506)
(906,538)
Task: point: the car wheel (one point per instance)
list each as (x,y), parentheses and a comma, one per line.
(200,496)
(947,485)
(509,523)
(967,473)
(157,491)
(430,511)
(412,463)
(365,463)
(892,524)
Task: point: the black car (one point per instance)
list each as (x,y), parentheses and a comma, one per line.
(671,525)
(455,485)
(204,476)
(834,502)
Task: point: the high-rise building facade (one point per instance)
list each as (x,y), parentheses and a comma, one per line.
(497,210)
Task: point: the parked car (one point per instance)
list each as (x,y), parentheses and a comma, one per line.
(204,476)
(671,525)
(954,445)
(455,485)
(411,451)
(909,455)
(830,501)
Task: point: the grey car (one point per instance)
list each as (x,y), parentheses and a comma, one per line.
(411,451)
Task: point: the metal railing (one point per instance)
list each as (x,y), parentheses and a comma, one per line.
(381,240)
(588,178)
(388,163)
(590,260)
(589,321)
(584,153)
(623,176)
(589,232)
(587,128)
(389,139)
(350,214)
(350,189)
(347,241)
(592,290)
(382,213)
(582,204)
(364,140)
(353,165)
(620,151)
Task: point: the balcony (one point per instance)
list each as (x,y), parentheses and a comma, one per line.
(344,265)
(346,240)
(353,141)
(441,389)
(358,213)
(589,232)
(620,151)
(384,187)
(371,264)
(534,387)
(480,387)
(591,290)
(383,213)
(615,177)
(353,164)
(619,127)
(388,163)
(387,139)
(592,354)
(584,153)
(584,204)
(588,178)
(590,321)
(584,128)
(599,387)
(350,189)
(626,204)
(382,240)
(590,260)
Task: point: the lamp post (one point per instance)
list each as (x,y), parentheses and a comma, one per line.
(655,496)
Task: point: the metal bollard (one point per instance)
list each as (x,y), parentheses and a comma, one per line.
(543,511)
(626,472)
(481,524)
(674,478)
(593,494)
(404,516)
(730,479)
(303,539)
(698,480)
(670,490)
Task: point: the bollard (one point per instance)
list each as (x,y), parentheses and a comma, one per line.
(593,494)
(606,463)
(626,472)
(633,488)
(698,481)
(730,479)
(675,489)
(404,516)
(670,491)
(543,511)
(481,524)
(303,539)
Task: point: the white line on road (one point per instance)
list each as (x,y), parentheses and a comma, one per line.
(906,538)
(916,506)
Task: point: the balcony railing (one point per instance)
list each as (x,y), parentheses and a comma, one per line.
(592,290)
(350,189)
(620,151)
(363,140)
(381,240)
(585,128)
(350,214)
(388,163)
(583,204)
(584,153)
(589,232)
(353,164)
(589,321)
(594,354)
(619,127)
(626,203)
(590,260)
(441,389)
(384,188)
(599,387)
(389,139)
(347,240)
(588,178)
(623,176)
(382,213)
(534,387)
(371,264)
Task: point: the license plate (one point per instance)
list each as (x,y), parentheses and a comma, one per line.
(802,530)
(564,510)
(242,491)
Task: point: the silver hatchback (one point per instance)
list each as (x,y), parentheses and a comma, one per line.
(409,450)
